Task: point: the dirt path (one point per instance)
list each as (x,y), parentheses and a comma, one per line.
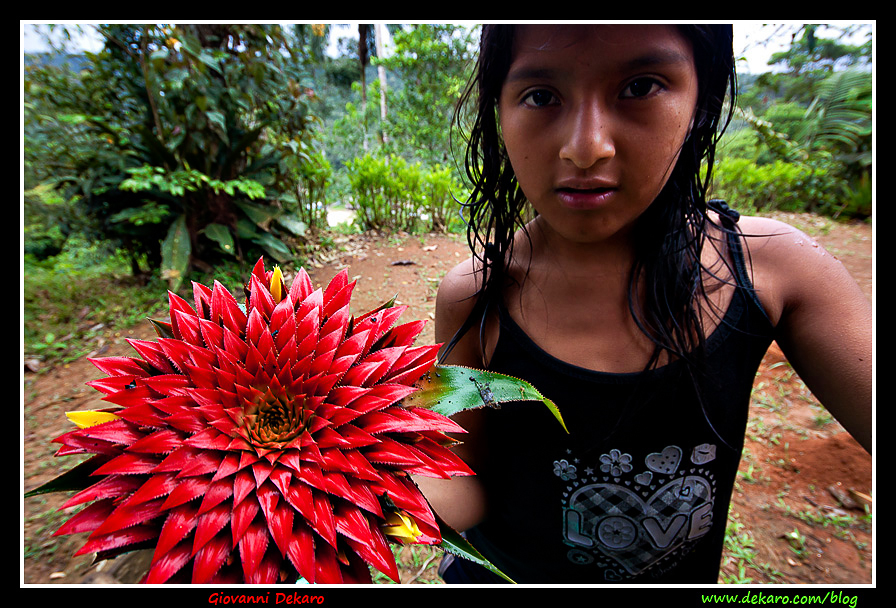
(788,522)
(786,526)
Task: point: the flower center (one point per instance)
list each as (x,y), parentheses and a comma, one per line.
(276,421)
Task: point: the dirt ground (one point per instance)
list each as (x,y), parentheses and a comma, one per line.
(798,513)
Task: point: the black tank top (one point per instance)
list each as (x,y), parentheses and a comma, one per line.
(639,489)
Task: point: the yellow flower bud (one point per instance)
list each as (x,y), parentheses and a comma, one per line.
(92,418)
(401,527)
(277,284)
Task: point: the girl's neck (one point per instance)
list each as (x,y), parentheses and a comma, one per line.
(572,300)
(603,259)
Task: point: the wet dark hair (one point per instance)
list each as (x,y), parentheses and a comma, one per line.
(669,236)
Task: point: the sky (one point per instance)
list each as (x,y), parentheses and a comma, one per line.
(751,41)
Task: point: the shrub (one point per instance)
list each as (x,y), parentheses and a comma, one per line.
(391,194)
(439,188)
(777,185)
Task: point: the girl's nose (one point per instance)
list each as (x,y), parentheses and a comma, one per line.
(588,138)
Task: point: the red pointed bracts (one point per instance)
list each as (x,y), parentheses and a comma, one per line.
(263,442)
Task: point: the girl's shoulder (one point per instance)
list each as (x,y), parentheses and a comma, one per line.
(757,227)
(788,266)
(455,300)
(767,240)
(458,287)
(781,249)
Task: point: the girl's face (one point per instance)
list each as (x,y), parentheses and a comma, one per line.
(593,118)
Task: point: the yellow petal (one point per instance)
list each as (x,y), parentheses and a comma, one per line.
(90,418)
(401,526)
(277,284)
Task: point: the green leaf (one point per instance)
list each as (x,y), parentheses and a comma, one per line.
(221,235)
(218,124)
(208,59)
(163,328)
(262,216)
(454,543)
(250,188)
(297,227)
(150,213)
(245,229)
(274,246)
(176,253)
(449,389)
(77,478)
(73,119)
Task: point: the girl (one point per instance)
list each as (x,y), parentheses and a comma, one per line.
(639,308)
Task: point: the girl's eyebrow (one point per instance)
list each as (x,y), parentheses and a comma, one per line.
(660,57)
(532,74)
(655,58)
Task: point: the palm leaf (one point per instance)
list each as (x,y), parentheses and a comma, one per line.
(841,113)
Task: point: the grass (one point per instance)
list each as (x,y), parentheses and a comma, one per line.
(71,300)
(840,523)
(43,545)
(740,549)
(417,564)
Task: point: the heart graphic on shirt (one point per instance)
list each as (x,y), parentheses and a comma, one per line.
(644,478)
(635,532)
(665,462)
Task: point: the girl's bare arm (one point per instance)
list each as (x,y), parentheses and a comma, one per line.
(822,317)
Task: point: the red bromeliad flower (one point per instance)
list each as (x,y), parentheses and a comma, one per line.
(261,443)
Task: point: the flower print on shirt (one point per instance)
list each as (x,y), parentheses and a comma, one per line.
(564,470)
(616,463)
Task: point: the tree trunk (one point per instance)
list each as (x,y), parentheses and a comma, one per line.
(380,52)
(362,56)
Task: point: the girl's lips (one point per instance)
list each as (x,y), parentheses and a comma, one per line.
(585,198)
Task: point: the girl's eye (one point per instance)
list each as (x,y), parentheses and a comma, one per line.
(640,88)
(539,98)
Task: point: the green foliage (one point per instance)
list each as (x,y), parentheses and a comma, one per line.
(425,74)
(778,185)
(47,222)
(814,114)
(857,199)
(738,142)
(787,117)
(439,188)
(311,175)
(392,194)
(814,157)
(378,193)
(839,118)
(170,133)
(177,245)
(432,63)
(71,299)
(812,53)
(181,181)
(812,57)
